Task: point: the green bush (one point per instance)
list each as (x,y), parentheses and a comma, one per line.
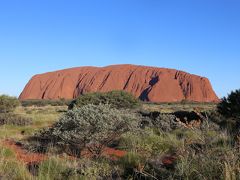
(8,103)
(13,119)
(117,99)
(162,122)
(42,103)
(230,106)
(91,126)
(166,123)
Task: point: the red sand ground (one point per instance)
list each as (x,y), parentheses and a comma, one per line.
(27,157)
(23,155)
(35,158)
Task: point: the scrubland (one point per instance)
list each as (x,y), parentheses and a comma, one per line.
(147,141)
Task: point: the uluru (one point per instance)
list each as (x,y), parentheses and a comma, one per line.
(151,84)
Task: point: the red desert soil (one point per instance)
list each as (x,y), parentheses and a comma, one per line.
(147,83)
(23,155)
(27,157)
(33,159)
(107,152)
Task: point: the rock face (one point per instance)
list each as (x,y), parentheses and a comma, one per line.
(148,83)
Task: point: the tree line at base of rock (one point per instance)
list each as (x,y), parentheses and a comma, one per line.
(228,110)
(8,105)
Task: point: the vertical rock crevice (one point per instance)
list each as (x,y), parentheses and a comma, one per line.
(152,82)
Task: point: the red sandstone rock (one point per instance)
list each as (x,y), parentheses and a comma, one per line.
(148,83)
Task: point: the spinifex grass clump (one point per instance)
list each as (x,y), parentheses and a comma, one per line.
(183,154)
(117,99)
(91,127)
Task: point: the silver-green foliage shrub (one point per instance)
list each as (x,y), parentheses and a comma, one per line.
(91,126)
(166,122)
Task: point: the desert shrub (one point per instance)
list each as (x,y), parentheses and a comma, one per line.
(8,103)
(91,126)
(149,114)
(42,103)
(215,120)
(117,99)
(208,124)
(166,122)
(161,121)
(13,119)
(230,105)
(215,117)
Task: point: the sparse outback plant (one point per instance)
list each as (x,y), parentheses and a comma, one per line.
(13,119)
(117,99)
(229,107)
(166,122)
(92,126)
(8,103)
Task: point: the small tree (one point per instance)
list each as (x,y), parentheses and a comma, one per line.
(92,126)
(117,99)
(230,106)
(8,103)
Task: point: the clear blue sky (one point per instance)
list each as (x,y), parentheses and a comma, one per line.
(198,36)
